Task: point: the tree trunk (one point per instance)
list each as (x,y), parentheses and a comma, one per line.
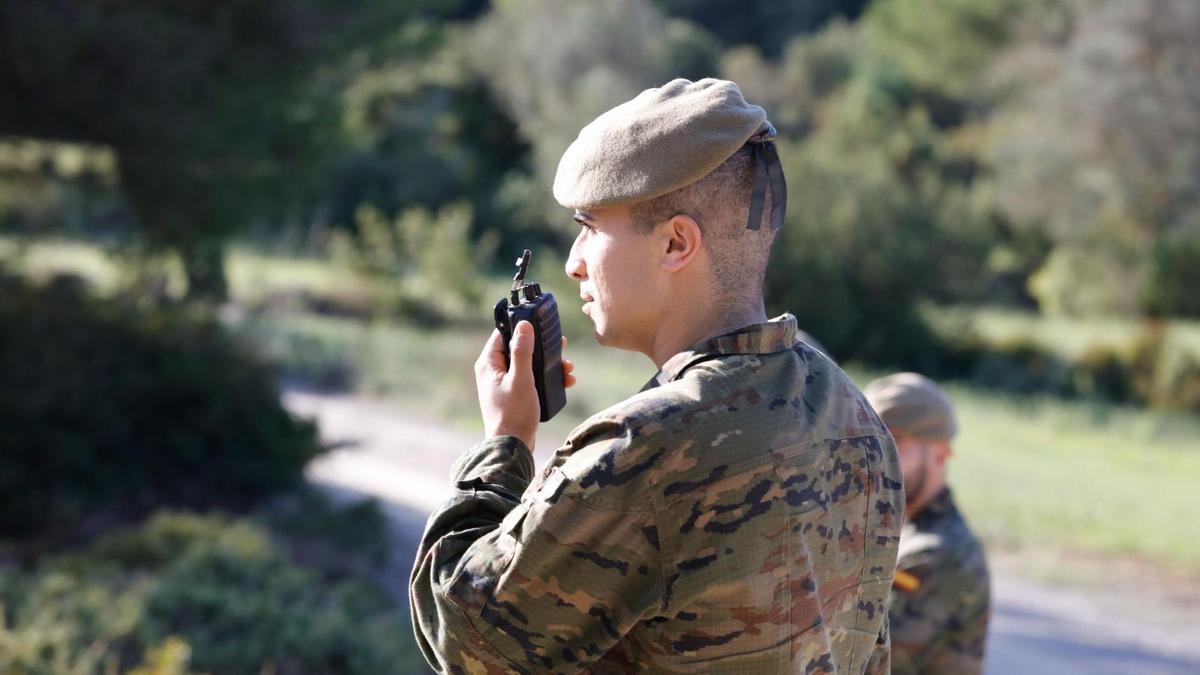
(204,266)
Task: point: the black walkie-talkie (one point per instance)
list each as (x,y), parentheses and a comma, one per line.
(527,302)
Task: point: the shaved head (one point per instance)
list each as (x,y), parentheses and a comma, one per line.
(720,204)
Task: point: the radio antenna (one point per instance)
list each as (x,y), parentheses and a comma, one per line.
(519,280)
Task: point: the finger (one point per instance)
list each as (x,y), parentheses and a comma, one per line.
(491,359)
(564,344)
(568,367)
(521,349)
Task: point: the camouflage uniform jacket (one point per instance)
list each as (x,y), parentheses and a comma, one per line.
(741,514)
(939,611)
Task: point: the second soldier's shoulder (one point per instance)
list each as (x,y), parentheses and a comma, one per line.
(943,542)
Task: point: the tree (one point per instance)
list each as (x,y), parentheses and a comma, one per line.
(801,85)
(423,129)
(555,66)
(763,24)
(1103,151)
(219,112)
(888,204)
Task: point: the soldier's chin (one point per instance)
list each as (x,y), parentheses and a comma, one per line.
(599,335)
(605,337)
(597,325)
(606,334)
(608,338)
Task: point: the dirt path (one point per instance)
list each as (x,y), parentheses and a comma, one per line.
(404,460)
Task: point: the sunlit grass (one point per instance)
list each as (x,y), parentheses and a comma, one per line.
(1069,337)
(1036,472)
(44,259)
(252,276)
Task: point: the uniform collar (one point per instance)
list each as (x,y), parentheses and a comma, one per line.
(937,507)
(776,335)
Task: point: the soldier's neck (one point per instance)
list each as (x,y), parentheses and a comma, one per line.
(686,324)
(929,492)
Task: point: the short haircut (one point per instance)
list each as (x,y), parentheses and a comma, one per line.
(720,204)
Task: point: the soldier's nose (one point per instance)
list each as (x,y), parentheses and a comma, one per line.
(575,267)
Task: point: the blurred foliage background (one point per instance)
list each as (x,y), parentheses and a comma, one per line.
(199,200)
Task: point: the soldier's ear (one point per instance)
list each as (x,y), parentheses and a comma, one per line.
(680,240)
(942,452)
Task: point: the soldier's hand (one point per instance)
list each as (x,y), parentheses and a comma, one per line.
(508,399)
(568,367)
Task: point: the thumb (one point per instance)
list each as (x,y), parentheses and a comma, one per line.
(491,359)
(521,349)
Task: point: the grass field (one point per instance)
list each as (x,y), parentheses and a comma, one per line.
(252,276)
(1038,473)
(1068,337)
(1033,474)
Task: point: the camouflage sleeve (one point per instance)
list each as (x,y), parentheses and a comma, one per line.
(941,627)
(543,582)
(880,660)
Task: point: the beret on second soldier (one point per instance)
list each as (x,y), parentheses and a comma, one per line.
(913,405)
(662,140)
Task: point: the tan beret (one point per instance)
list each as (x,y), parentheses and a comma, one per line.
(913,405)
(662,140)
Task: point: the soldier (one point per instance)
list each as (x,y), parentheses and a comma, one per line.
(741,514)
(939,610)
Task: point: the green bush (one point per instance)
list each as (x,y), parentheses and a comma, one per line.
(56,623)
(334,537)
(426,257)
(239,612)
(110,410)
(313,357)
(1174,287)
(220,592)
(852,262)
(1105,374)
(1148,372)
(1078,281)
(1021,366)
